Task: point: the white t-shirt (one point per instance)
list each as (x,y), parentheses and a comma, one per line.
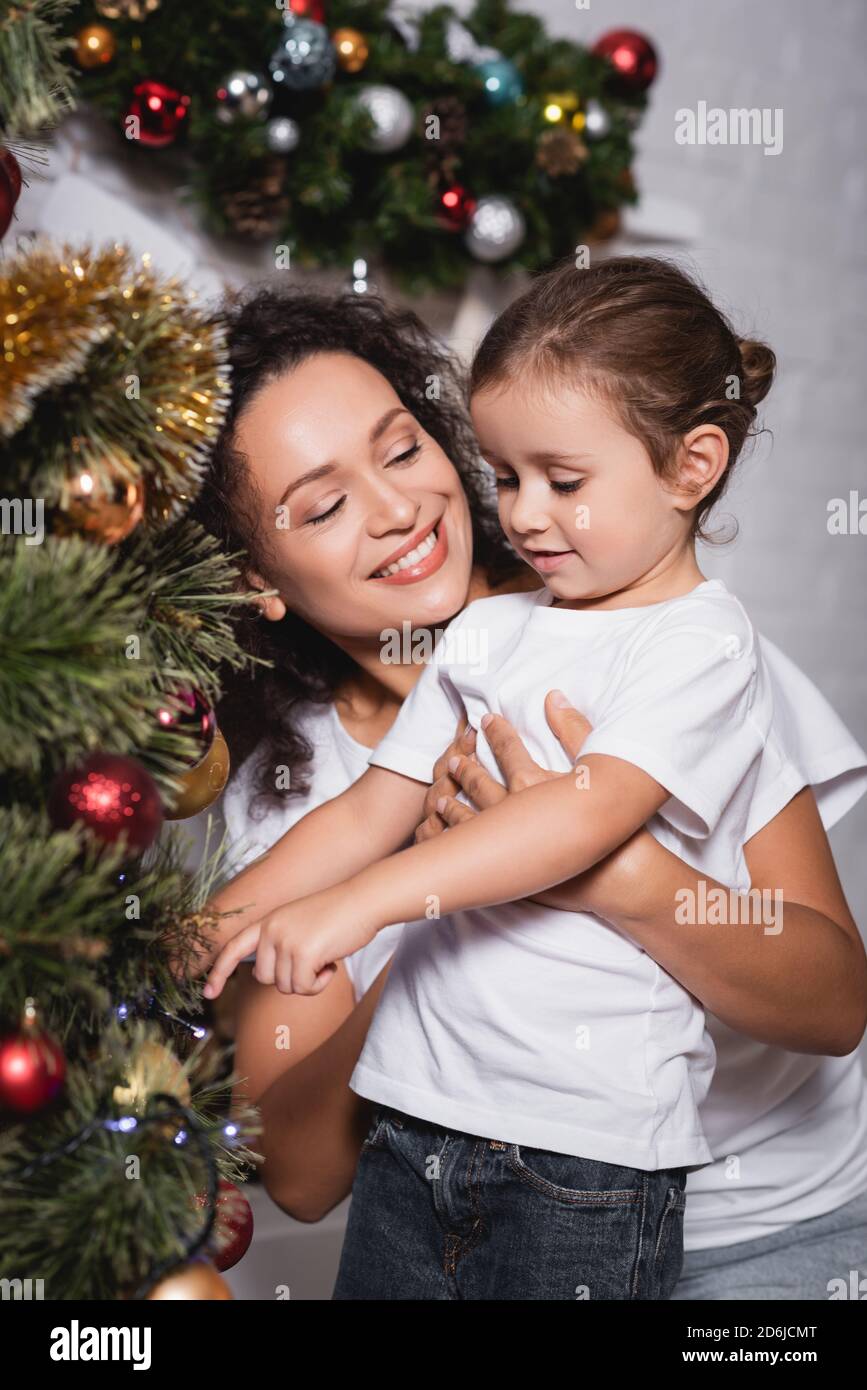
(547,1028)
(338,761)
(796,1123)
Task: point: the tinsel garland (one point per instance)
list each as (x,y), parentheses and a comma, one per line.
(99,349)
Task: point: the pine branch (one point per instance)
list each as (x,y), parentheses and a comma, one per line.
(91,1224)
(35,82)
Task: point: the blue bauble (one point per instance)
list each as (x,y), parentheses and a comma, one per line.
(305,57)
(502,81)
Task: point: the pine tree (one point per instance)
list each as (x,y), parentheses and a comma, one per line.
(116,612)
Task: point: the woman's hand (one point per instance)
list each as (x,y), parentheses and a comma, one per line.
(459,769)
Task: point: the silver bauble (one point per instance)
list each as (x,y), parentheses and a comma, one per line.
(597,122)
(244,94)
(282,134)
(496,229)
(304,58)
(392,115)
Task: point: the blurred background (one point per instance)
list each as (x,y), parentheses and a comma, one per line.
(778,239)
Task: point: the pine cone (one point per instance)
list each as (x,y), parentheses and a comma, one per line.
(560,152)
(260,209)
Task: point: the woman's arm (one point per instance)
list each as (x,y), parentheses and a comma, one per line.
(313,1124)
(804,988)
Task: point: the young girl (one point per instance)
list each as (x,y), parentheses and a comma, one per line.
(539,1075)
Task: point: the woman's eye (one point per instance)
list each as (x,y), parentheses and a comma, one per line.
(406,456)
(315,520)
(569,487)
(506,482)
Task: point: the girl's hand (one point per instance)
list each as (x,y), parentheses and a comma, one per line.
(298,944)
(459,769)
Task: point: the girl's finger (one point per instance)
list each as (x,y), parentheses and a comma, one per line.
(244,944)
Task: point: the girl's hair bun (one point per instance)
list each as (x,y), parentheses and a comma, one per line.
(758,364)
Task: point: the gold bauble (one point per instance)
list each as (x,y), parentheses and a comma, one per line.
(104,504)
(558,106)
(95,45)
(203,783)
(126,9)
(351,48)
(196,1280)
(153,1069)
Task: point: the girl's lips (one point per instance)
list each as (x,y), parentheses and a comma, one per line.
(546,563)
(426,566)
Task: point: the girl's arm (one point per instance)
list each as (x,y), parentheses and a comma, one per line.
(559,829)
(521,846)
(804,988)
(368,821)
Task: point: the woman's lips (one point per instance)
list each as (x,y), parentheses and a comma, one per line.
(426,566)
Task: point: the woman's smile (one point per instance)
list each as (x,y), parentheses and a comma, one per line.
(418,558)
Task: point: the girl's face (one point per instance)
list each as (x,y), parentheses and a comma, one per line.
(350,485)
(578,497)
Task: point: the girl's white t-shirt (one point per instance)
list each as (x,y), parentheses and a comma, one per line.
(796,1124)
(552,1029)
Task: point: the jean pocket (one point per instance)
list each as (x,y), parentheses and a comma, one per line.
(668,1252)
(584,1182)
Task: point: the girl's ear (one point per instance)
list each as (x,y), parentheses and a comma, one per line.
(704,454)
(272,605)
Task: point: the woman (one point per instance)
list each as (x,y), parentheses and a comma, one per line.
(348,474)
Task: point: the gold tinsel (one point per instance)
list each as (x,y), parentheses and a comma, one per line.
(150,371)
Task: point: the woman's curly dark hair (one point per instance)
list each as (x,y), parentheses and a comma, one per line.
(271,331)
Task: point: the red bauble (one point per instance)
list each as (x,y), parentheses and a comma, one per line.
(187,710)
(13,172)
(112,795)
(161,113)
(306,9)
(233,1226)
(8,198)
(32,1067)
(456,207)
(632,58)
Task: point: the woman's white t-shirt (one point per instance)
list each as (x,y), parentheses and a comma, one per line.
(788,1131)
(338,761)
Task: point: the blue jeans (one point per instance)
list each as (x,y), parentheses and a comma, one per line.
(815,1259)
(443,1215)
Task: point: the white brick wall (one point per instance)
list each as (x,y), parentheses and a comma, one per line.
(782,247)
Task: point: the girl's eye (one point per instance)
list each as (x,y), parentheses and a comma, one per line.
(407,456)
(332,511)
(569,487)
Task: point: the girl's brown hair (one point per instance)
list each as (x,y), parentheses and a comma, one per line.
(644,335)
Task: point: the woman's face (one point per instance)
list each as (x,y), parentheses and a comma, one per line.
(351,486)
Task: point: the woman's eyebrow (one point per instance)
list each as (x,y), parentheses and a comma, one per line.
(309,477)
(385,420)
